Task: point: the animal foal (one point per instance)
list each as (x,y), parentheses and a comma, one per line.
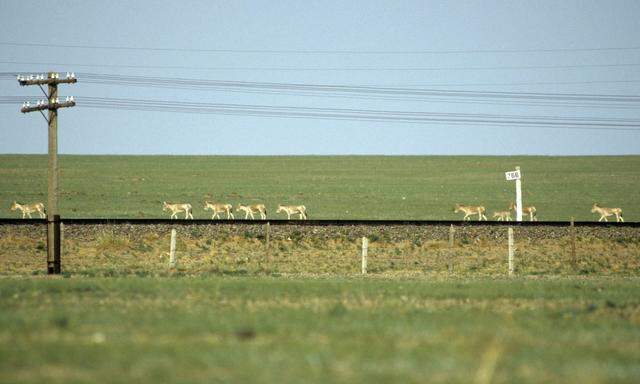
(219,208)
(292,210)
(469,210)
(249,210)
(530,210)
(28,209)
(606,212)
(176,208)
(502,215)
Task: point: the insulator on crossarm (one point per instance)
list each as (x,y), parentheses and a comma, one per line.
(28,104)
(24,104)
(71,99)
(73,75)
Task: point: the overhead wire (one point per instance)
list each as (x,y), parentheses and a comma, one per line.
(327,69)
(321,51)
(351,114)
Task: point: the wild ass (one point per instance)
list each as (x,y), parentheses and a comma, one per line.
(530,210)
(469,210)
(249,210)
(606,212)
(502,215)
(176,208)
(28,209)
(219,208)
(292,210)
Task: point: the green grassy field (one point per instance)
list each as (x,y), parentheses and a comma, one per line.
(338,187)
(149,330)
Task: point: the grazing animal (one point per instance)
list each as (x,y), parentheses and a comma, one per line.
(530,210)
(606,212)
(469,210)
(249,210)
(28,209)
(176,208)
(502,215)
(292,210)
(219,208)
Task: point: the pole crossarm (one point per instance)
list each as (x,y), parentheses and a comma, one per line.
(44,107)
(47,81)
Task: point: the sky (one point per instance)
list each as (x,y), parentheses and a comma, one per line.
(521,62)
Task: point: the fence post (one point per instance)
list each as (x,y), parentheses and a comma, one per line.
(365,247)
(574,260)
(61,238)
(511,251)
(268,235)
(452,232)
(172,250)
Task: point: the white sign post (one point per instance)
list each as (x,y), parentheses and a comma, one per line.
(515,175)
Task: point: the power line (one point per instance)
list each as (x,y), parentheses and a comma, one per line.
(11,76)
(350,114)
(560,122)
(189,82)
(322,51)
(327,69)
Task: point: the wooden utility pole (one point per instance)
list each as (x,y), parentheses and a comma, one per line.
(52,104)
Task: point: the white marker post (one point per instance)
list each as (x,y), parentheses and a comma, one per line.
(365,247)
(515,175)
(172,250)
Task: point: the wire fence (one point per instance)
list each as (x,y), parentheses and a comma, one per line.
(142,247)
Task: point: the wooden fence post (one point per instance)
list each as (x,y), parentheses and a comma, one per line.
(452,232)
(268,235)
(365,247)
(172,250)
(574,259)
(61,238)
(511,251)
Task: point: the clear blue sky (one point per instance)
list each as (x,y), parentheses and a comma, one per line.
(520,34)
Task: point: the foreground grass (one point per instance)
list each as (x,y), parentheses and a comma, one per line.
(331,187)
(318,330)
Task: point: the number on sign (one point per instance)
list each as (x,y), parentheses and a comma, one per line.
(513,175)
